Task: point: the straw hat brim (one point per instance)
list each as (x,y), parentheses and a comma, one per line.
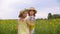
(32,9)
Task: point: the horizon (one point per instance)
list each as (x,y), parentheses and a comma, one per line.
(9,9)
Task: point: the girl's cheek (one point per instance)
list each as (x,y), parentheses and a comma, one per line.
(31,13)
(25,14)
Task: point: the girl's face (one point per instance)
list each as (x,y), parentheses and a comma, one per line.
(24,14)
(31,12)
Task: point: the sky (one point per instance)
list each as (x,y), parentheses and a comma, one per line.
(9,9)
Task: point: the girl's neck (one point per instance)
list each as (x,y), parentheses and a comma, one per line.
(31,15)
(22,19)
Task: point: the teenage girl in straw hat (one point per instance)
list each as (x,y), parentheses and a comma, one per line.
(22,23)
(31,18)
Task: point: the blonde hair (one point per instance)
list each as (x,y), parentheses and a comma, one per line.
(22,12)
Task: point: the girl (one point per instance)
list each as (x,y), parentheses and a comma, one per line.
(22,24)
(31,18)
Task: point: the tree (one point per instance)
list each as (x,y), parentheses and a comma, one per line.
(56,16)
(49,16)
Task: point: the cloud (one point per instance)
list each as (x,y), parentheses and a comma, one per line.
(43,13)
(9,9)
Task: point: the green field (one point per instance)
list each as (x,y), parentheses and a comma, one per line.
(8,26)
(51,26)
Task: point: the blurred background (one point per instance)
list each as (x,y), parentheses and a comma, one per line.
(47,17)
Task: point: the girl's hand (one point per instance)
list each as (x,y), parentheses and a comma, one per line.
(28,25)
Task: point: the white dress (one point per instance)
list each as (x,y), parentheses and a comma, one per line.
(31,19)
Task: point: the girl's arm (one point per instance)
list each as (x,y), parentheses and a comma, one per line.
(28,23)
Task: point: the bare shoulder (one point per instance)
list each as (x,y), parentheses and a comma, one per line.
(19,20)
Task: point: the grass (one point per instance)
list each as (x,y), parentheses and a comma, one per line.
(8,26)
(51,26)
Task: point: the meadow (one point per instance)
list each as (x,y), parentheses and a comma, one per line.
(8,26)
(51,26)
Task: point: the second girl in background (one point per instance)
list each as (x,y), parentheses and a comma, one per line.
(31,19)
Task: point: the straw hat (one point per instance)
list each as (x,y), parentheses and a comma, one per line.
(22,11)
(32,9)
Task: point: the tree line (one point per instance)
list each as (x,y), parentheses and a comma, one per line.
(53,16)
